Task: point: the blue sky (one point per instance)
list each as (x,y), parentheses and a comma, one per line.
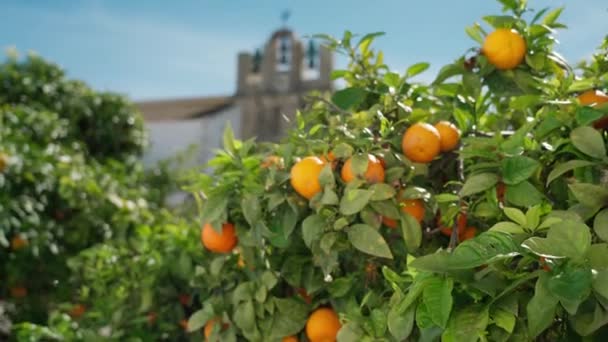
(164,49)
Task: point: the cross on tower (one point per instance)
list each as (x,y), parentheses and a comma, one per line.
(285,16)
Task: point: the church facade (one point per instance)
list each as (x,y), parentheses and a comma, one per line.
(271,86)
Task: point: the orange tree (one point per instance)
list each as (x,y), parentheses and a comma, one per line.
(70,178)
(338,229)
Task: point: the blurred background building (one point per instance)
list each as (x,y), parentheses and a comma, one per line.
(270,87)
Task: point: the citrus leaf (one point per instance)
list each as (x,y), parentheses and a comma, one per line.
(485,248)
(589,141)
(507,227)
(437,297)
(568,238)
(416,69)
(354,200)
(560,169)
(467,324)
(541,308)
(312,228)
(412,232)
(368,240)
(590,195)
(401,325)
(516,215)
(517,169)
(382,191)
(523,194)
(349,97)
(478,183)
(600,225)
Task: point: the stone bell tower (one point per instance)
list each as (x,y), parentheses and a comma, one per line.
(273,81)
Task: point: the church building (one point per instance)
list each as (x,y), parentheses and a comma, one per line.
(270,87)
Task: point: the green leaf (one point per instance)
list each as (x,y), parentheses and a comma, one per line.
(251,208)
(484,249)
(368,38)
(368,240)
(392,79)
(587,323)
(570,239)
(523,194)
(244,316)
(416,69)
(541,308)
(412,232)
(560,169)
(349,97)
(359,164)
(517,169)
(500,21)
(386,208)
(600,225)
(378,321)
(600,283)
(533,217)
(507,227)
(446,198)
(475,33)
(354,200)
(587,115)
(478,183)
(401,325)
(329,197)
(382,191)
(467,324)
(228,138)
(449,71)
(571,284)
(598,256)
(198,319)
(504,319)
(312,228)
(350,332)
(437,297)
(589,141)
(215,208)
(326,177)
(289,318)
(516,215)
(552,16)
(590,195)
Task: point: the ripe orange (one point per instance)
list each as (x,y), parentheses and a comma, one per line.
(273,160)
(592,97)
(469,233)
(330,158)
(17,242)
(373,174)
(219,243)
(77,311)
(504,48)
(389,222)
(290,339)
(209,326)
(449,135)
(323,325)
(18,291)
(305,176)
(421,143)
(461,223)
(413,207)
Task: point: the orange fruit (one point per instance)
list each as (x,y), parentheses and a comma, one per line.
(216,242)
(304,176)
(290,339)
(413,207)
(18,291)
(469,233)
(389,222)
(504,48)
(77,311)
(17,242)
(323,325)
(209,326)
(273,160)
(373,174)
(461,223)
(302,292)
(592,97)
(184,299)
(449,135)
(330,158)
(421,143)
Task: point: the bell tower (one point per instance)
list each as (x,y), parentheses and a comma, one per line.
(273,80)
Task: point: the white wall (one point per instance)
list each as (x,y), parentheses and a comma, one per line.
(168,138)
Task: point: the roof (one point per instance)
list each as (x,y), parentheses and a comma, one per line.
(183,109)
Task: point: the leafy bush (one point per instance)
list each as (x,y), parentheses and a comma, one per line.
(502,239)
